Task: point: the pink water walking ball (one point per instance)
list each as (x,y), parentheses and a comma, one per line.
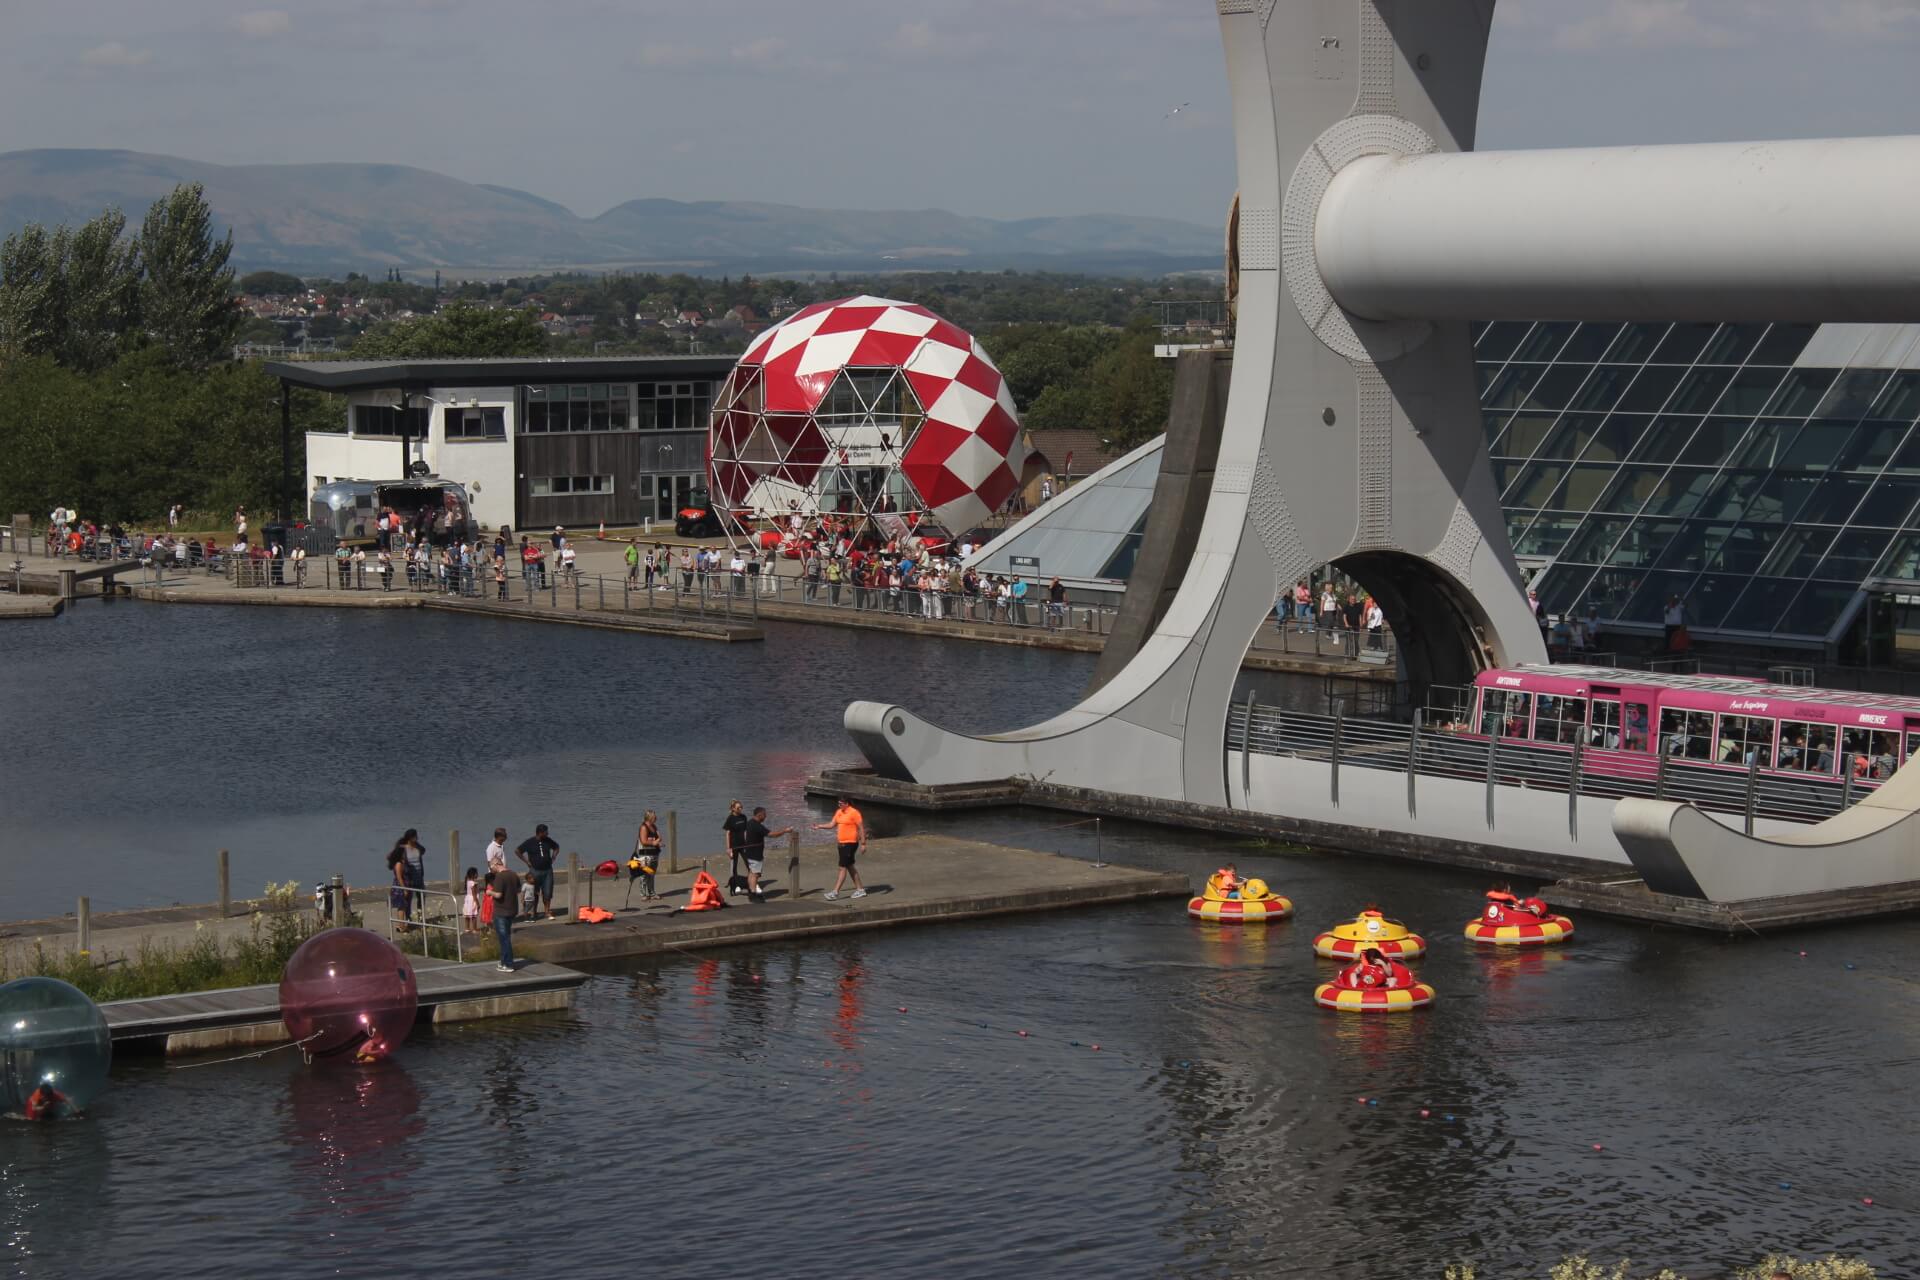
(54,1049)
(348,993)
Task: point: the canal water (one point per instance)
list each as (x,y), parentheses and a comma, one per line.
(868,1105)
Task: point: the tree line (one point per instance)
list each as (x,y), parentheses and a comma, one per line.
(118,397)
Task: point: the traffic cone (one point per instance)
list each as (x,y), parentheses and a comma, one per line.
(602,535)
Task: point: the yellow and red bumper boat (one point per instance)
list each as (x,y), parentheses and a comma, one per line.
(1370,929)
(1508,921)
(1227,900)
(1374,986)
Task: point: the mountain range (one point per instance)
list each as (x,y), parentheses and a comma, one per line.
(333,218)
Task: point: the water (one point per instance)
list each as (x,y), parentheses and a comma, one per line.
(772,1108)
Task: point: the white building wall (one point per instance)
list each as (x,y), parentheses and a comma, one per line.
(485,467)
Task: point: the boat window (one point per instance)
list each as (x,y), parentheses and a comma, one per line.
(1913,744)
(1806,748)
(1870,753)
(1744,739)
(1635,735)
(1606,724)
(1687,735)
(1560,719)
(1503,712)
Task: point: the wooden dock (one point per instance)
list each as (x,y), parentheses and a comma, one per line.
(249,1017)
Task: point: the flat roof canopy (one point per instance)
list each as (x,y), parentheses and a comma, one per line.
(377,375)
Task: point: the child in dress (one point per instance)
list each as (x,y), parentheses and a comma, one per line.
(470,905)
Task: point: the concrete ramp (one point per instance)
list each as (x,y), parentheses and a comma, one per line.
(1680,850)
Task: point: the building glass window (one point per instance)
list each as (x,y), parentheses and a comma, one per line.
(561,486)
(597,406)
(474,424)
(387,420)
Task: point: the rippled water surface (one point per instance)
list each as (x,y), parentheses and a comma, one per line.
(866,1105)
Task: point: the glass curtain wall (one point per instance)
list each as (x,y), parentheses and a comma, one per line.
(1643,461)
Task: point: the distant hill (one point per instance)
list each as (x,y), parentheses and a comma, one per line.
(332,218)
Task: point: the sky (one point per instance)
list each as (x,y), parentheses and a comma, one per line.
(1007,108)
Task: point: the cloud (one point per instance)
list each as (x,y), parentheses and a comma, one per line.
(1649,24)
(767,51)
(262,23)
(672,55)
(115,54)
(924,40)
(1869,19)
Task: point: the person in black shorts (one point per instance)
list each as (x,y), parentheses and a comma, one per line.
(850,831)
(754,850)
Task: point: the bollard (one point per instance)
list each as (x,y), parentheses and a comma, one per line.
(1333,776)
(336,900)
(226,898)
(1753,782)
(601,581)
(83,917)
(573,888)
(1099,846)
(1413,759)
(673,841)
(793,864)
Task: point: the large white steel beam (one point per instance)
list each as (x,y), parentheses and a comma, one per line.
(1819,230)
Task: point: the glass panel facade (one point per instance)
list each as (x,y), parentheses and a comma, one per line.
(1642,461)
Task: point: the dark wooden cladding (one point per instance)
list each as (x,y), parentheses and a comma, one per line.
(624,455)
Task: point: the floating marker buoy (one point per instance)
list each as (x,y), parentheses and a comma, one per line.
(1184,1063)
(903,1008)
(1598,1147)
(1424,1113)
(1023,1034)
(1803,955)
(1866,1200)
(1448,1119)
(1786,1186)
(1849,966)
(1373,1102)
(1096,1048)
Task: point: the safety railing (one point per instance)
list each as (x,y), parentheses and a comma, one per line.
(1032,610)
(1295,635)
(411,910)
(1577,769)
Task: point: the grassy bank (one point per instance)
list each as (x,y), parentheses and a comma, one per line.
(210,961)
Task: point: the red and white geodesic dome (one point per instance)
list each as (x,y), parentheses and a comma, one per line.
(865,407)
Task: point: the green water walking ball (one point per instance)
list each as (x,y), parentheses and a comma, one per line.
(55,1049)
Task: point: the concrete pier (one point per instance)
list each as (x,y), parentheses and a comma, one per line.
(925,879)
(1573,883)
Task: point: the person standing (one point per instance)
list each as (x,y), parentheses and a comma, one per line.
(240,525)
(735,830)
(1376,623)
(173,517)
(497,850)
(1046,490)
(632,554)
(1057,602)
(686,568)
(754,850)
(646,846)
(1674,616)
(500,579)
(538,852)
(850,831)
(505,892)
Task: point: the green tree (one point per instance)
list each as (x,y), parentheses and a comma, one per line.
(459,329)
(186,286)
(32,285)
(272,284)
(102,294)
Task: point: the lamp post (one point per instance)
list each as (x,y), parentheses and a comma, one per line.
(286,450)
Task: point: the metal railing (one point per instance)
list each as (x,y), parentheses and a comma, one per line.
(1355,644)
(1032,611)
(417,916)
(1577,769)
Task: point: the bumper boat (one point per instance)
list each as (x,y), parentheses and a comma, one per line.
(1508,921)
(1374,985)
(1228,900)
(1370,929)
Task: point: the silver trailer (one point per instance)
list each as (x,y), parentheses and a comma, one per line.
(346,508)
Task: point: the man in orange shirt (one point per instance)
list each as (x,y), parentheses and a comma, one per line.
(850,829)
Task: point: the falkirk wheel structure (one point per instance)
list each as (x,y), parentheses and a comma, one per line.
(1370,237)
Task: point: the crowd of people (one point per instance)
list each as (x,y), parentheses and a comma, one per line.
(1328,610)
(506,894)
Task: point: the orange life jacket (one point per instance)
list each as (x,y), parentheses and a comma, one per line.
(595,915)
(705,895)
